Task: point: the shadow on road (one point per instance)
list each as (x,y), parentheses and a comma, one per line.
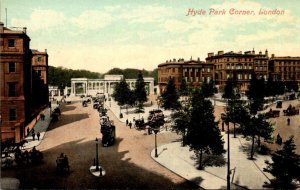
(120,173)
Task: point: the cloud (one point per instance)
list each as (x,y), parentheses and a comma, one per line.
(41,19)
(50,19)
(92,19)
(146,14)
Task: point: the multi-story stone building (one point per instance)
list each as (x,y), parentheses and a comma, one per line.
(18,85)
(193,71)
(221,66)
(239,64)
(284,68)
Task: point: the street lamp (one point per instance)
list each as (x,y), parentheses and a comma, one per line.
(156,130)
(97,170)
(228,158)
(97,159)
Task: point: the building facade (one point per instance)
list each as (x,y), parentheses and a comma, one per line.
(84,86)
(193,71)
(18,85)
(219,67)
(239,64)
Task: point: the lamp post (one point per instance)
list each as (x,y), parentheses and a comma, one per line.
(228,159)
(156,130)
(97,159)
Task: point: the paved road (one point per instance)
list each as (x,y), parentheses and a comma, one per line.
(128,163)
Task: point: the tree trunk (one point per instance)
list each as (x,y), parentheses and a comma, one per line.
(183,138)
(200,160)
(252,148)
(234,130)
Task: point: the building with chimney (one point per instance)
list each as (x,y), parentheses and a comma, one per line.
(193,71)
(220,66)
(20,99)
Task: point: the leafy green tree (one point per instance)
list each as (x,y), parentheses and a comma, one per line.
(255,96)
(203,134)
(270,87)
(181,120)
(285,166)
(140,93)
(170,98)
(183,89)
(208,88)
(256,126)
(121,93)
(234,105)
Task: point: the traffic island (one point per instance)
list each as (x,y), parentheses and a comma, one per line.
(100,172)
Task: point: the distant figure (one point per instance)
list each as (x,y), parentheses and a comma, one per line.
(278,139)
(130,124)
(133,119)
(28,131)
(126,122)
(33,135)
(288,121)
(38,135)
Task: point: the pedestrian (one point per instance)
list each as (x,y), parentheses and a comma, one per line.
(288,121)
(38,135)
(33,135)
(32,130)
(28,131)
(133,119)
(126,122)
(278,139)
(130,124)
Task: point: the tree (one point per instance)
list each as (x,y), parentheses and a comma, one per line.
(208,88)
(256,126)
(170,96)
(270,87)
(183,89)
(285,166)
(122,93)
(181,121)
(255,96)
(231,93)
(140,92)
(203,134)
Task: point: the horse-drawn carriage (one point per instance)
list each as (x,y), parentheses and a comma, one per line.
(55,114)
(272,113)
(33,156)
(62,163)
(290,111)
(108,131)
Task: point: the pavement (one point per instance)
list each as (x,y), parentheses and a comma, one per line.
(40,126)
(245,173)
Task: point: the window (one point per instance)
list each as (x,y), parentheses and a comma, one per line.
(228,76)
(39,59)
(11,67)
(12,114)
(11,43)
(12,89)
(239,76)
(249,76)
(208,70)
(39,73)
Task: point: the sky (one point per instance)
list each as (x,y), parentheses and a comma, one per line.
(98,35)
